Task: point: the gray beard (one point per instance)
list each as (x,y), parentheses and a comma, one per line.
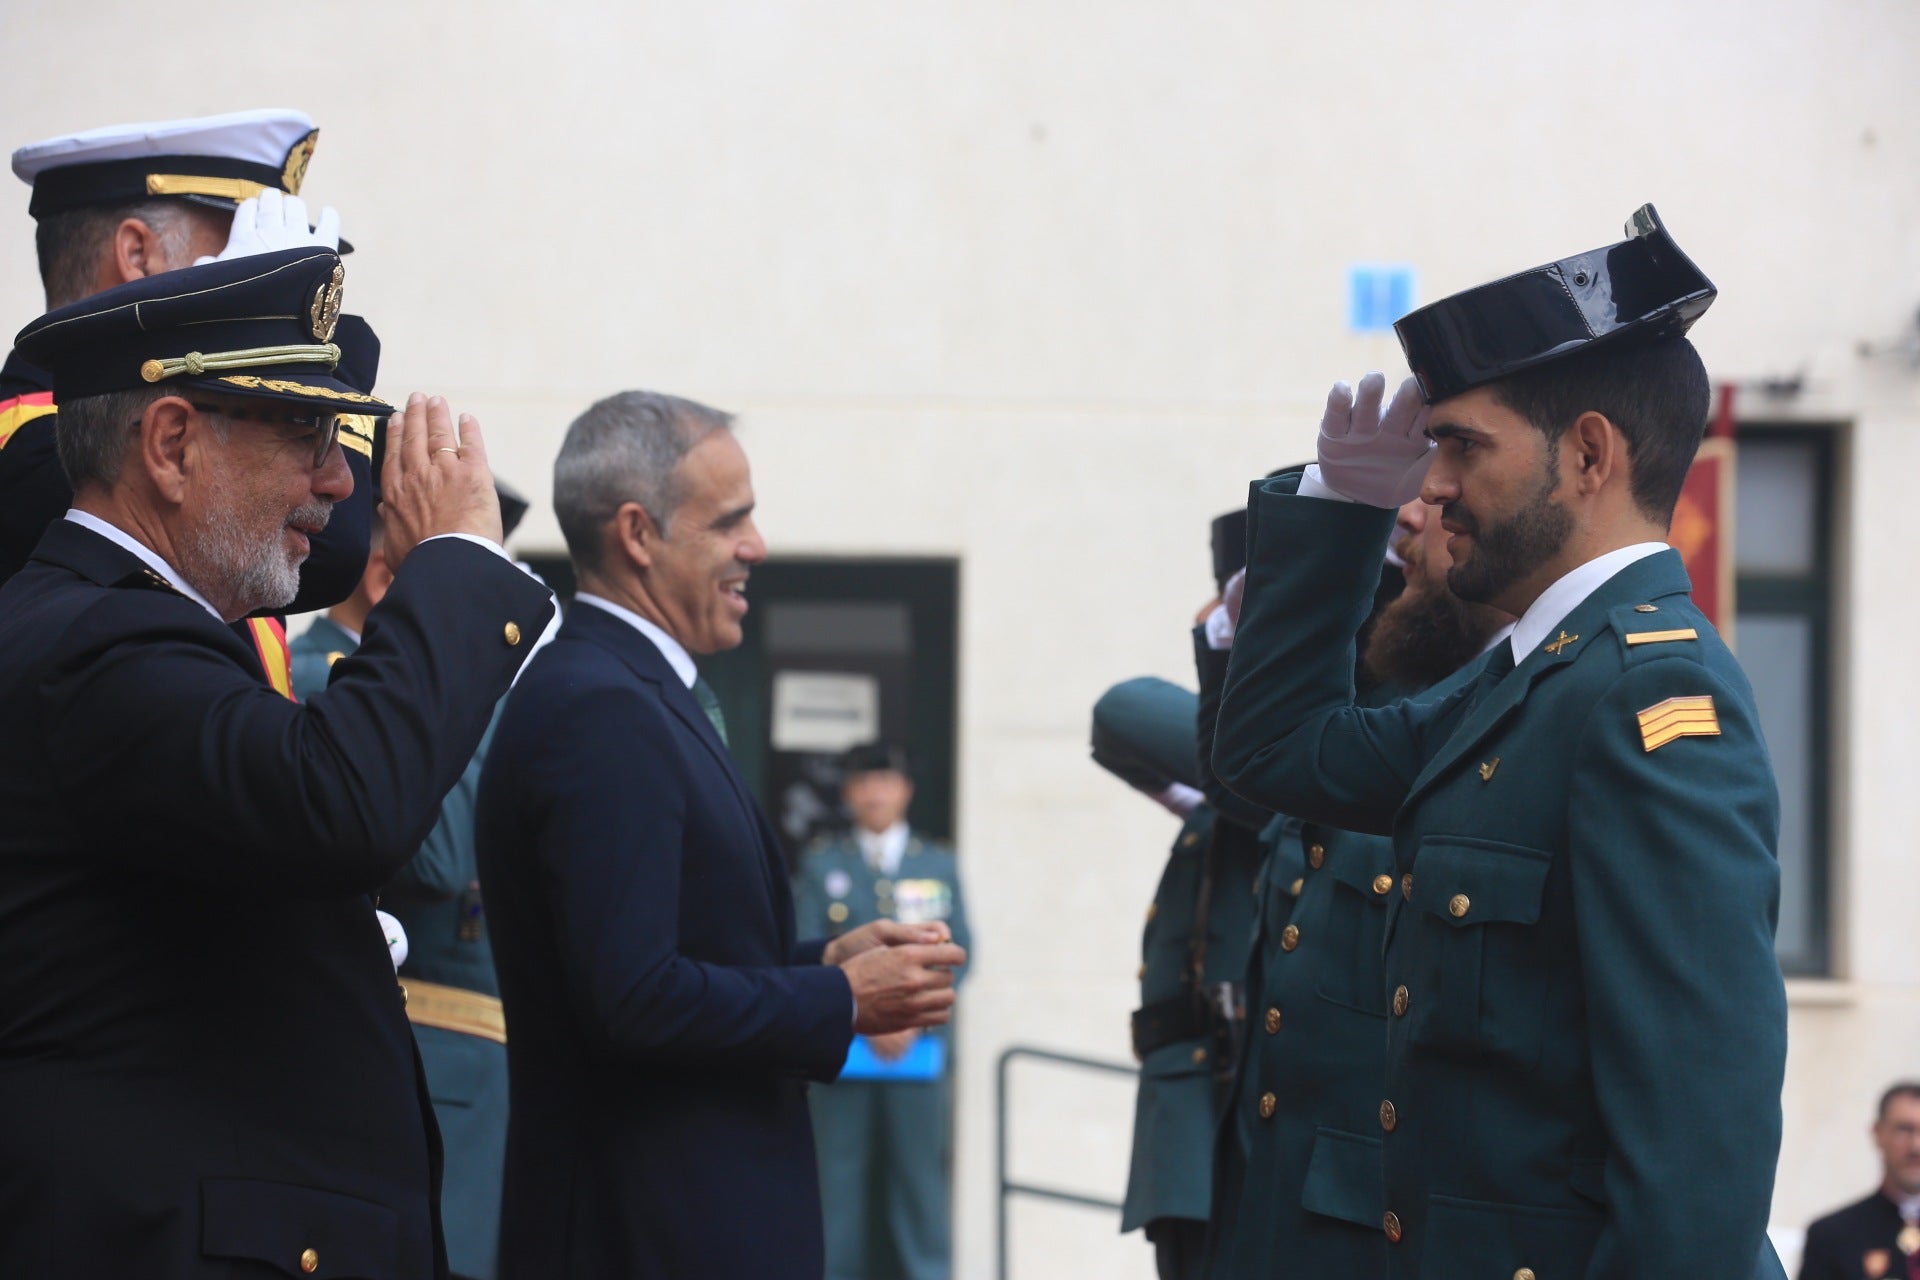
(239,576)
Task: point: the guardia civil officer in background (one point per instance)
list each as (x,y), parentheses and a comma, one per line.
(881,1130)
(128,201)
(1297,1188)
(206,1068)
(453,995)
(1148,733)
(1588,1029)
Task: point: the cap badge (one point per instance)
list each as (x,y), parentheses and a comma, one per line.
(299,156)
(325,312)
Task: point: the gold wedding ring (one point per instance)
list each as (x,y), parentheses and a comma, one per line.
(447,449)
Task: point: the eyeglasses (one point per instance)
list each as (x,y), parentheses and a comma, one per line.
(316,431)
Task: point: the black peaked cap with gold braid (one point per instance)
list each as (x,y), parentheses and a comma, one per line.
(260,327)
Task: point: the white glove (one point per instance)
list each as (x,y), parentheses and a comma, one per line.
(1375,458)
(396,939)
(1178,799)
(274,220)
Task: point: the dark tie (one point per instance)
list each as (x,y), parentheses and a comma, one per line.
(703,694)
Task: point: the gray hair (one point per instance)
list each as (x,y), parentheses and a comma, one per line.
(95,433)
(625,448)
(70,244)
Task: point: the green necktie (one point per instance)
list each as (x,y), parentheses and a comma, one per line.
(703,694)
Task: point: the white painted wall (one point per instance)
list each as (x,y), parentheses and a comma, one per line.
(1040,286)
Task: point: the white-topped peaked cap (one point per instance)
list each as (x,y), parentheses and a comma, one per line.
(217,160)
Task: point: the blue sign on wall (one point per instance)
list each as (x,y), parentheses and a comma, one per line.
(1377,295)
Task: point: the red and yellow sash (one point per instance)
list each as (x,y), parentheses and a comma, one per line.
(20,410)
(270,642)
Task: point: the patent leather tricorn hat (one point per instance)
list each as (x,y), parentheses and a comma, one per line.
(1638,290)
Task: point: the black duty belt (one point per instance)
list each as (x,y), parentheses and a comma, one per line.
(1166,1022)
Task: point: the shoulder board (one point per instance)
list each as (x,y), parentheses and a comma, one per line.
(1648,631)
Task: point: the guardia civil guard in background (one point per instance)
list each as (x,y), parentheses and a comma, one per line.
(1149,733)
(1587,1032)
(881,1130)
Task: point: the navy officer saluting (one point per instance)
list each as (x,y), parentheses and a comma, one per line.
(1587,1028)
(205,1063)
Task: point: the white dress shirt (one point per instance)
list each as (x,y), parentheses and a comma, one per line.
(672,650)
(1550,609)
(883,850)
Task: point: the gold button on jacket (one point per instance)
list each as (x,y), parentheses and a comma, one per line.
(512,633)
(1400,1000)
(1268,1104)
(309,1262)
(1317,856)
(1389,1118)
(1458,906)
(1273,1021)
(1290,937)
(1524,1273)
(1406,886)
(1391,1225)
(1383,885)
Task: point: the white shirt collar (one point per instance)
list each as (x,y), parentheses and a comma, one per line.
(675,653)
(121,538)
(1569,593)
(883,850)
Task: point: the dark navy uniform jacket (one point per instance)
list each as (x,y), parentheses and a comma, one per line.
(1859,1242)
(665,1020)
(205,1066)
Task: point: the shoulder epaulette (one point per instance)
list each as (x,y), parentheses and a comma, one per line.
(1648,631)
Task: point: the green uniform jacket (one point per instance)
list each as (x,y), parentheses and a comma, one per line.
(835,891)
(1587,1027)
(1177,1105)
(1297,1178)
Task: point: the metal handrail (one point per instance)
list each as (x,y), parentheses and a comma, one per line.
(1010,1188)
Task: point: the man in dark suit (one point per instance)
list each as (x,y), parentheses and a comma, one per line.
(1877,1238)
(665,1018)
(205,1062)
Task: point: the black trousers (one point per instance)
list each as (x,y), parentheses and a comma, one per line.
(1179,1247)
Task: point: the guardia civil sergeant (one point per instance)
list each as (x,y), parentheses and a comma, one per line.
(1588,1026)
(881,1129)
(129,201)
(205,1063)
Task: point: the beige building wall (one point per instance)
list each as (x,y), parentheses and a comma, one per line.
(1041,285)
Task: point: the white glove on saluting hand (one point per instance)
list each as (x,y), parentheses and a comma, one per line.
(1375,458)
(274,220)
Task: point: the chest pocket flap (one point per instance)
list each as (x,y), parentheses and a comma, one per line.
(1470,882)
(302,1231)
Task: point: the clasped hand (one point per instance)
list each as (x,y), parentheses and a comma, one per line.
(1375,457)
(901,974)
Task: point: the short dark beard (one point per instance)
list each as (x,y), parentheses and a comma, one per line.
(1426,635)
(1505,553)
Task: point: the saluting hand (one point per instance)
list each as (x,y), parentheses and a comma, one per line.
(1370,455)
(435,479)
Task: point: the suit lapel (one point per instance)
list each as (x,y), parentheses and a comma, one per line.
(1655,576)
(644,658)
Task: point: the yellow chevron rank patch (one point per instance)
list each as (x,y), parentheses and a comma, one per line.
(1662,722)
